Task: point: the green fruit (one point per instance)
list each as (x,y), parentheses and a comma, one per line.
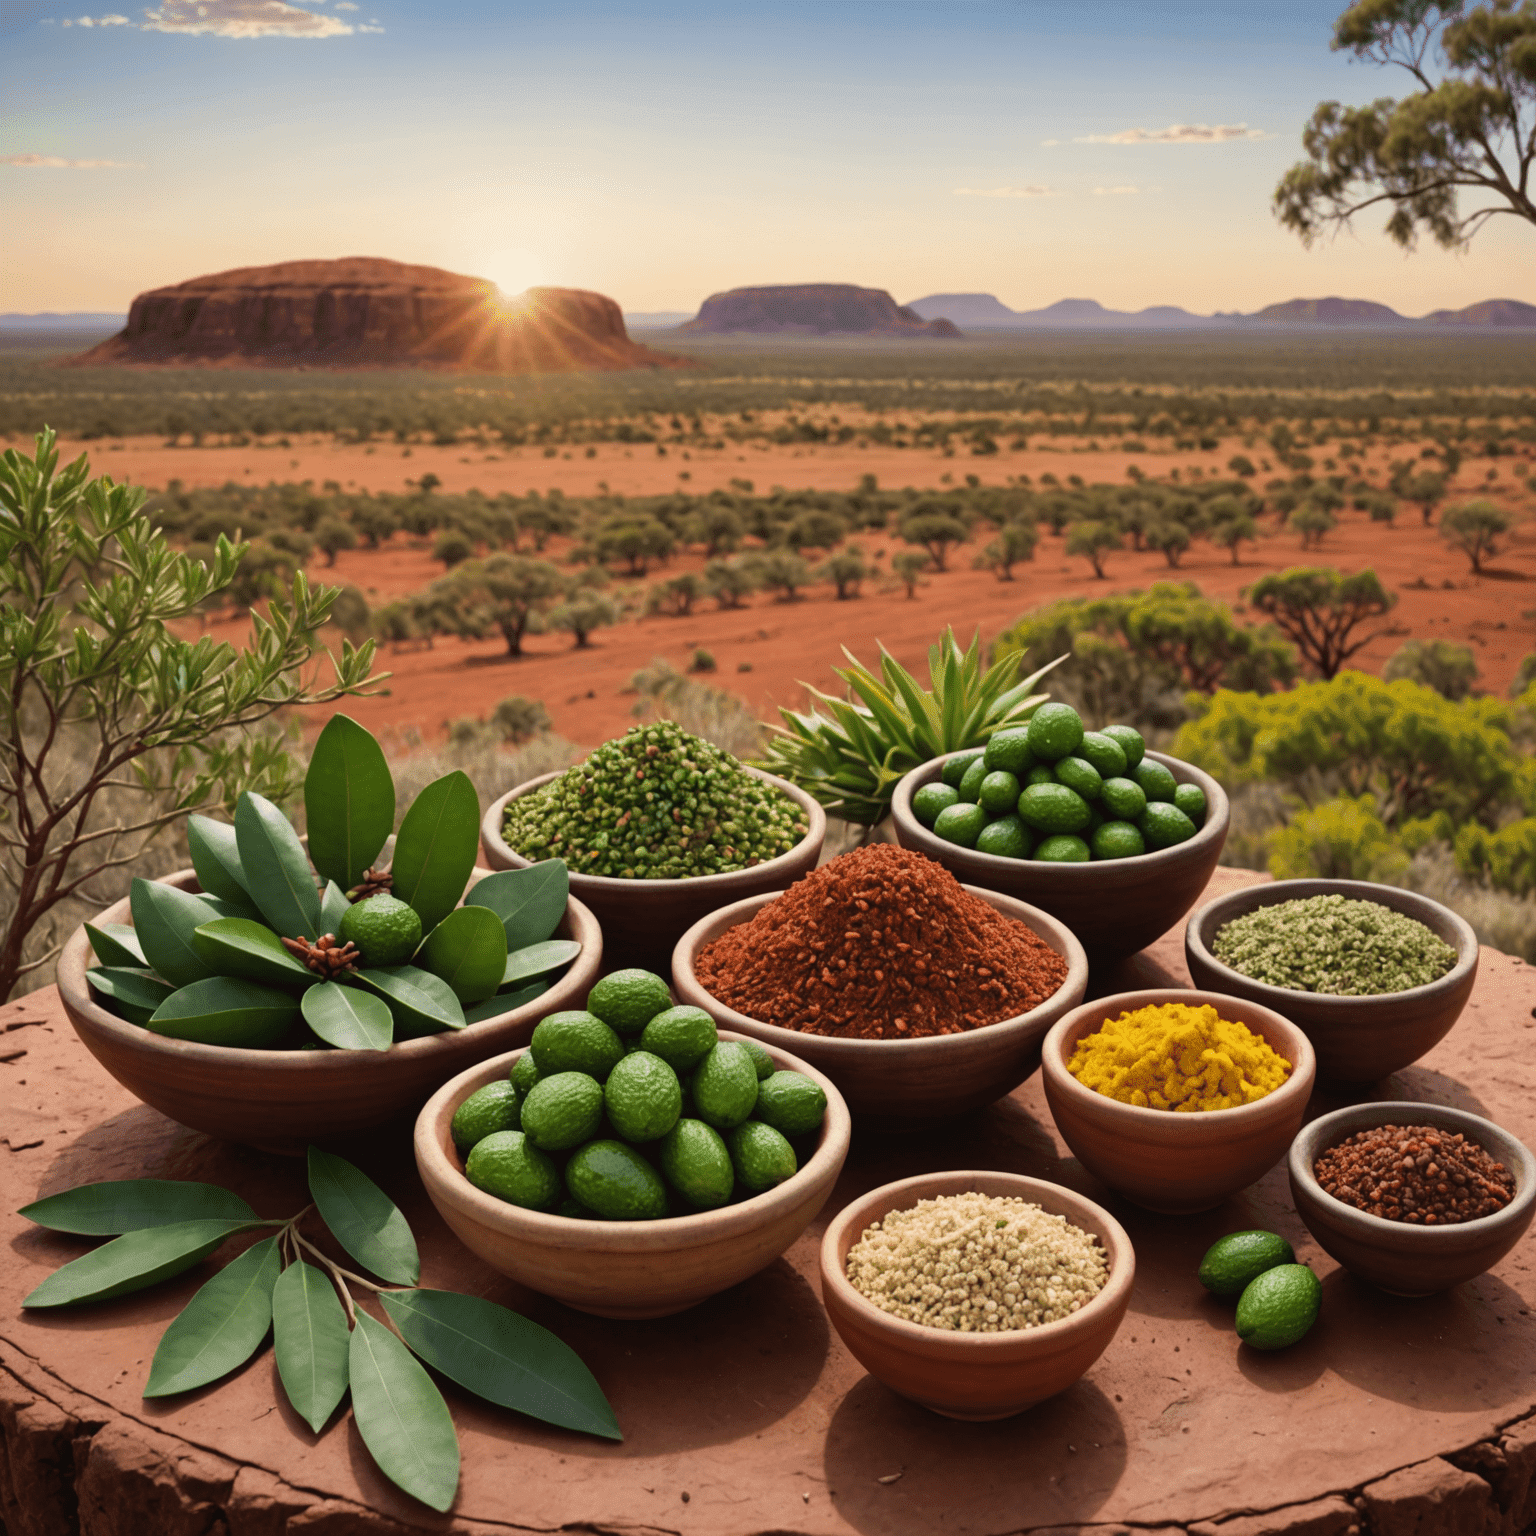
(614,1182)
(488,1109)
(1156,781)
(931,799)
(1104,752)
(574,1041)
(1009,750)
(1096,819)
(960,824)
(1231,1262)
(1123,798)
(626,1001)
(970,785)
(1079,774)
(697,1164)
(386,930)
(508,1165)
(1117,840)
(955,768)
(1053,808)
(1165,825)
(642,1097)
(999,793)
(1007,838)
(725,1086)
(574,1210)
(1041,773)
(1129,740)
(791,1103)
(1279,1306)
(760,1156)
(1063,849)
(765,1064)
(682,1037)
(1190,799)
(524,1074)
(1055,731)
(562,1111)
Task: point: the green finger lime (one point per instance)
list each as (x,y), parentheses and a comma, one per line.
(524,1074)
(1279,1307)
(1007,838)
(1117,840)
(765,1064)
(1063,849)
(1123,798)
(931,799)
(563,1110)
(961,825)
(574,1041)
(1009,750)
(956,767)
(386,930)
(626,1001)
(682,1037)
(791,1103)
(1165,825)
(697,1164)
(1053,808)
(1041,773)
(1190,799)
(760,1155)
(1055,731)
(488,1109)
(1079,774)
(1129,740)
(642,1097)
(1232,1262)
(725,1086)
(970,785)
(1156,781)
(1104,752)
(999,793)
(508,1165)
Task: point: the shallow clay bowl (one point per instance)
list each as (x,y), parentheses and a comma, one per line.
(280,1101)
(1410,1260)
(1114,906)
(643,919)
(974,1375)
(1158,1158)
(625,1268)
(904,1085)
(1357,1039)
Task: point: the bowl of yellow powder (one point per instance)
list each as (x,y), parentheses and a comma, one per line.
(1176,1098)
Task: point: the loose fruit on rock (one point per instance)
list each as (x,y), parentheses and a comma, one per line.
(1233,1261)
(1279,1307)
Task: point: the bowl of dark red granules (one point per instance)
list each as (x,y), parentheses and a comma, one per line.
(921,998)
(1375,976)
(1413,1198)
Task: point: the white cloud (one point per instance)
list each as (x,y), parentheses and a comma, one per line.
(98,21)
(1115,191)
(1002,192)
(364,26)
(1178,133)
(242,18)
(1049,143)
(345,5)
(59,163)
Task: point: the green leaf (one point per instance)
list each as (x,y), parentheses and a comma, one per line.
(133,1205)
(530,902)
(348,1017)
(362,1218)
(349,801)
(221,1327)
(115,944)
(539,960)
(226,1010)
(436,847)
(503,1357)
(504,1002)
(132,993)
(423,1004)
(401,1416)
(164,920)
(133,1261)
(277,868)
(468,950)
(333,907)
(309,1338)
(216,858)
(239,946)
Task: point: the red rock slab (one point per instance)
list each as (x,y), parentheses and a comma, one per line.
(745,1414)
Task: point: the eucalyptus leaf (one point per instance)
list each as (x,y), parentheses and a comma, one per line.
(132,993)
(362,1218)
(348,1017)
(504,1002)
(468,950)
(133,1205)
(436,847)
(215,852)
(133,1261)
(530,902)
(349,801)
(309,1339)
(539,960)
(333,907)
(240,946)
(115,944)
(401,1415)
(276,868)
(227,1010)
(164,919)
(503,1357)
(423,1004)
(221,1327)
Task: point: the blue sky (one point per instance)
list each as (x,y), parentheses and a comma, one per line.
(659,152)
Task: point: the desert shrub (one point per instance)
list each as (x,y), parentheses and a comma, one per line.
(704,710)
(701,660)
(452,547)
(781,572)
(1342,839)
(1475,530)
(582,612)
(933,528)
(1448,668)
(675,596)
(845,571)
(637,542)
(1093,540)
(909,565)
(518,719)
(730,582)
(1014,542)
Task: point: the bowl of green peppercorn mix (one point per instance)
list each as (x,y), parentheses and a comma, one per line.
(1375,976)
(658,828)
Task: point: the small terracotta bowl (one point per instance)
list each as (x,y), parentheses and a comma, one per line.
(625,1268)
(1395,1256)
(1114,906)
(280,1101)
(974,1375)
(643,919)
(1357,1039)
(904,1085)
(1165,1161)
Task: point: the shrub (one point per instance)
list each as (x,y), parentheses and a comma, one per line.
(1093,540)
(675,596)
(730,582)
(1475,529)
(933,529)
(845,571)
(1448,668)
(518,719)
(581,613)
(909,564)
(1341,839)
(701,660)
(1319,609)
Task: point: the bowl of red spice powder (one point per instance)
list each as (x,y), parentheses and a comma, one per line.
(921,998)
(1412,1198)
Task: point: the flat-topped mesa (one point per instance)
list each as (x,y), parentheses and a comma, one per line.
(812,309)
(363,311)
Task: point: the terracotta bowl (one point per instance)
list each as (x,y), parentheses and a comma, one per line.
(625,1268)
(904,1084)
(1166,1161)
(1392,1255)
(974,1375)
(280,1101)
(1357,1039)
(1114,906)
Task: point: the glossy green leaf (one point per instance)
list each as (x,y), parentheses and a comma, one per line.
(132,1205)
(423,1004)
(115,944)
(348,1017)
(503,1357)
(215,852)
(221,1327)
(227,1010)
(309,1338)
(362,1218)
(436,847)
(133,1261)
(333,907)
(165,919)
(504,1002)
(530,902)
(468,950)
(538,960)
(277,868)
(132,993)
(401,1415)
(349,801)
(240,946)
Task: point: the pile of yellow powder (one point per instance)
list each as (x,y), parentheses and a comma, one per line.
(1176,1057)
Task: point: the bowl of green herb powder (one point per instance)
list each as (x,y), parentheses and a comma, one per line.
(1374,976)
